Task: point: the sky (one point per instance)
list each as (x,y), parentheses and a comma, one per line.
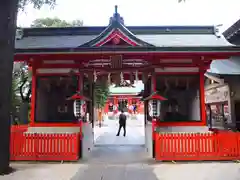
(140,12)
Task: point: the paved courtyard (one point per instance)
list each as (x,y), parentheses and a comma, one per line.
(106,135)
(124,158)
(43,171)
(129,163)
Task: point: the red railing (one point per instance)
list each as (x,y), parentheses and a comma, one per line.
(44,147)
(197,146)
(19,128)
(17,139)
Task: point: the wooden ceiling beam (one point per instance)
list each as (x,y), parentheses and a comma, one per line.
(148,56)
(124,68)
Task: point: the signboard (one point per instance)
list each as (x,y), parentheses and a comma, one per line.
(218,120)
(216,95)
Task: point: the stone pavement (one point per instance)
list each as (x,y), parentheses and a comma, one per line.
(123,158)
(130,163)
(106,135)
(43,171)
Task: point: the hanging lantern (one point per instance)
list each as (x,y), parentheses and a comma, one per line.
(154,108)
(154,104)
(77,108)
(79,105)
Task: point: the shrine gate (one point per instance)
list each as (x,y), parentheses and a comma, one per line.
(171,62)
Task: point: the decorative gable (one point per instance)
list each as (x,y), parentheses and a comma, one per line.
(116,34)
(116,37)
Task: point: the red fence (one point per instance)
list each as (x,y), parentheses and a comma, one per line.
(19,128)
(44,147)
(197,146)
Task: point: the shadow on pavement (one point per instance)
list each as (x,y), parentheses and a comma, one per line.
(118,163)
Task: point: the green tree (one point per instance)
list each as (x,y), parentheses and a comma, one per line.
(55,22)
(101,93)
(37,4)
(100,96)
(8,16)
(22,80)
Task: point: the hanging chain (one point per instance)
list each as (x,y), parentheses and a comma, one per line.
(136,76)
(109,78)
(121,78)
(94,76)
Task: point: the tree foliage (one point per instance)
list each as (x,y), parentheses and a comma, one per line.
(37,4)
(55,22)
(101,93)
(22,78)
(8,11)
(21,88)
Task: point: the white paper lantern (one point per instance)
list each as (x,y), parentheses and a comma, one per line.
(79,108)
(154,107)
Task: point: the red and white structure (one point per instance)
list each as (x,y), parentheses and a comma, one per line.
(170,60)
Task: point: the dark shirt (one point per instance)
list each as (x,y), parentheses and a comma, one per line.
(134,108)
(122,118)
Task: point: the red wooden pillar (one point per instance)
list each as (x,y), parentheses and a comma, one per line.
(202,96)
(138,104)
(154,123)
(81,123)
(33,96)
(106,107)
(129,104)
(115,103)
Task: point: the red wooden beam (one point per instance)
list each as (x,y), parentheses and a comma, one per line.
(33,97)
(109,69)
(86,56)
(202,96)
(56,66)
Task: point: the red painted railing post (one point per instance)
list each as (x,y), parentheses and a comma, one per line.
(34,139)
(154,126)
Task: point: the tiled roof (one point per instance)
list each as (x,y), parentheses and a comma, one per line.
(232,32)
(163,40)
(159,36)
(228,67)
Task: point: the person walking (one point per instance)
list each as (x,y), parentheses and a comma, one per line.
(122,123)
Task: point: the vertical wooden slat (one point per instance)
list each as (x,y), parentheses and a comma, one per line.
(197,146)
(45,147)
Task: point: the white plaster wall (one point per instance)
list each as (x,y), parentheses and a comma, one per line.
(195,108)
(184,129)
(52,130)
(87,140)
(148,139)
